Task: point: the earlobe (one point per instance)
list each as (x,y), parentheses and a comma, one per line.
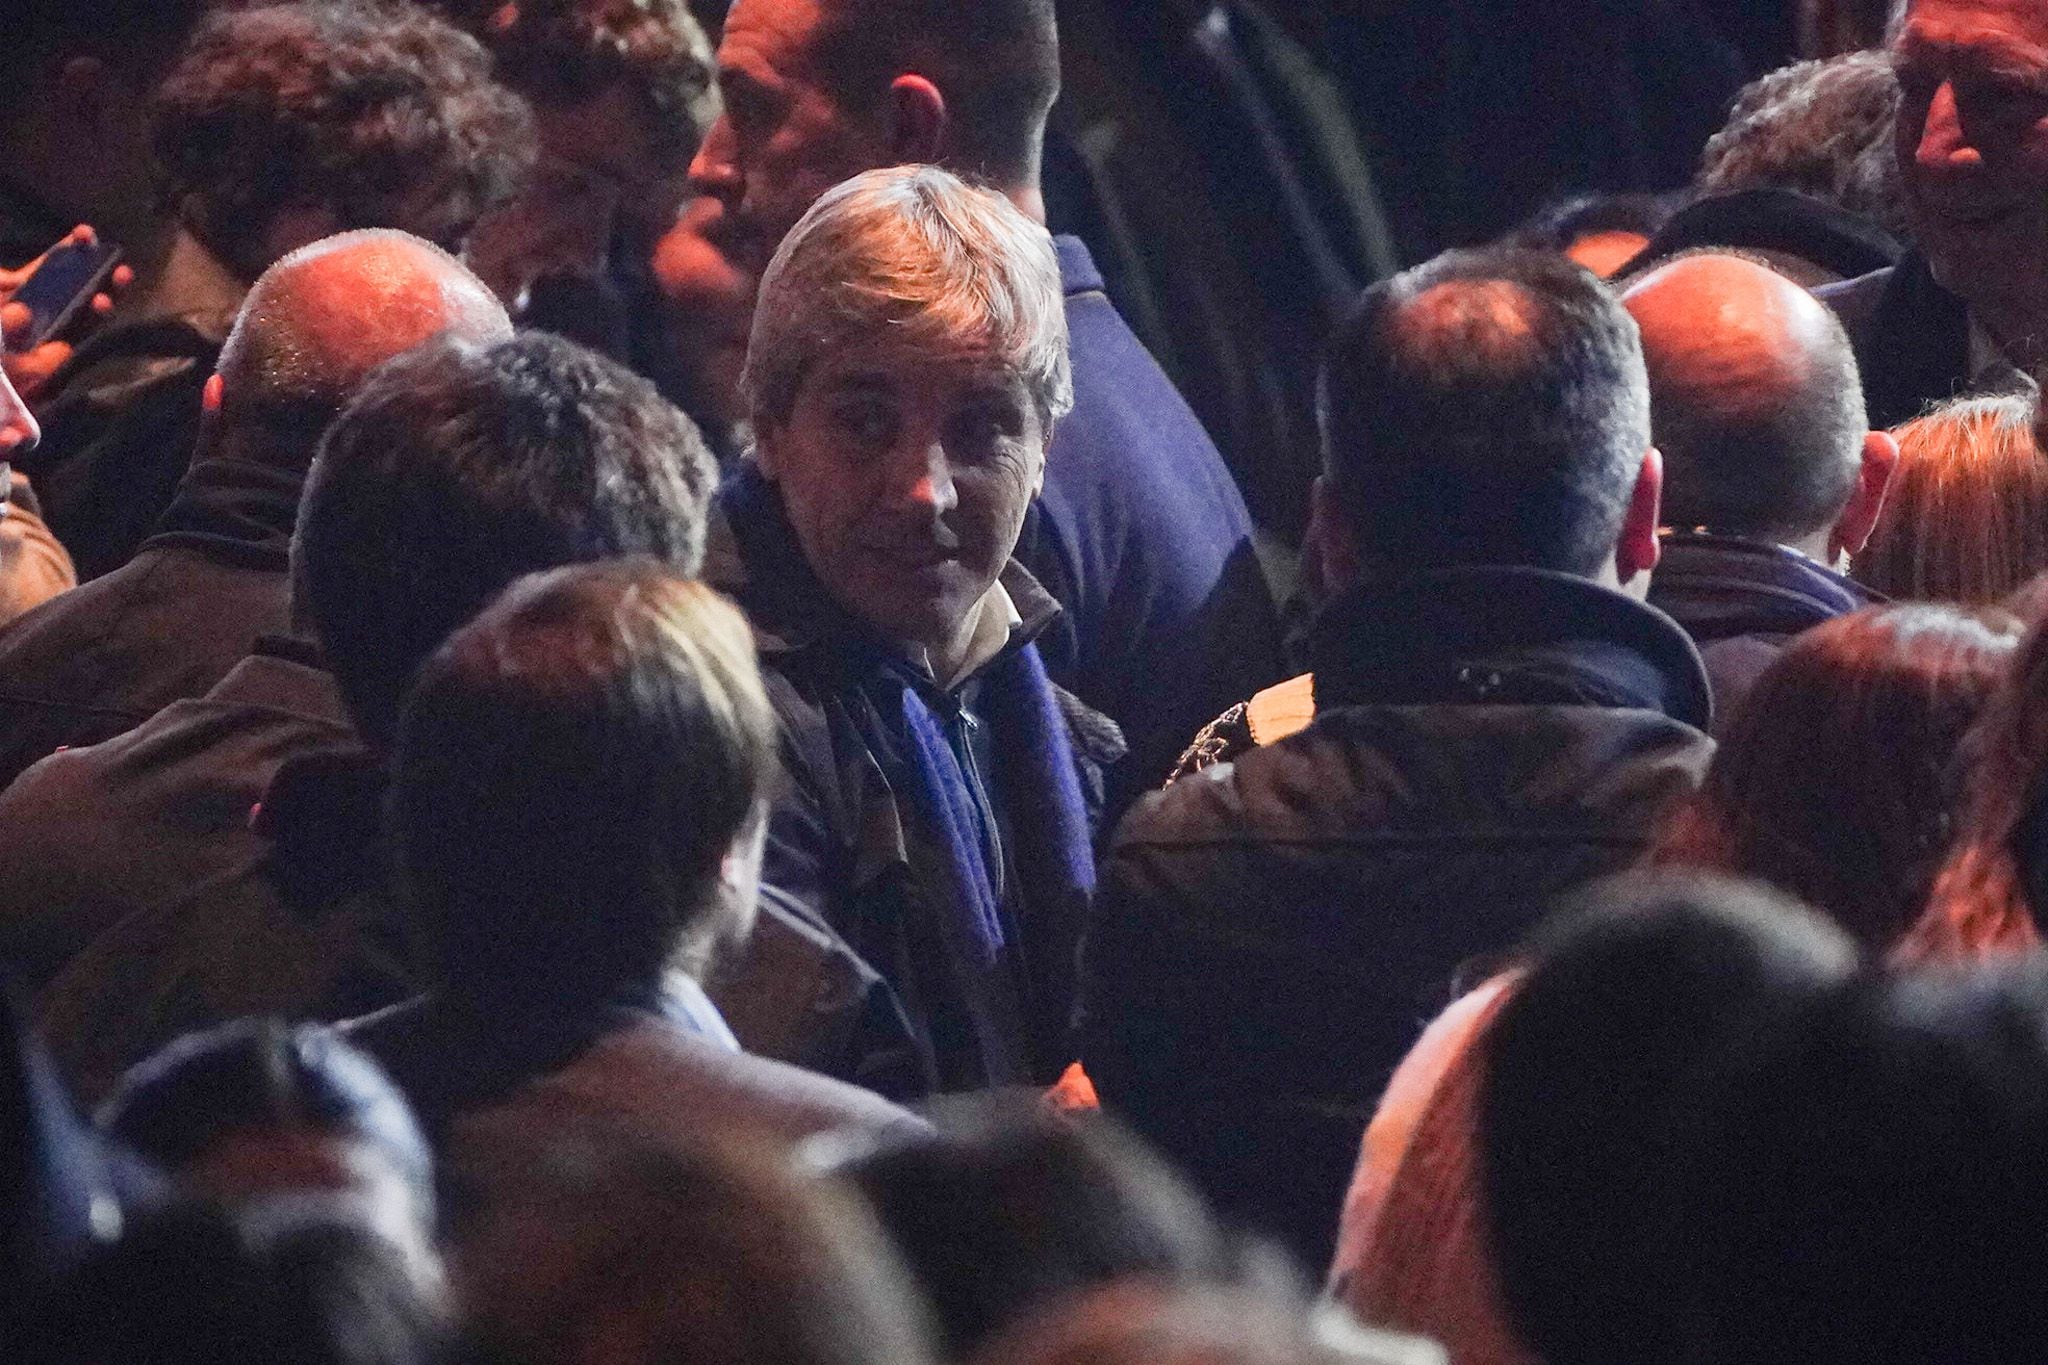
(917,116)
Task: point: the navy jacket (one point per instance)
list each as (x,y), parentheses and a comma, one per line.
(1741,601)
(1144,540)
(165,626)
(1271,935)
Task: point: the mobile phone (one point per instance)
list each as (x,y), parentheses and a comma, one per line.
(62,284)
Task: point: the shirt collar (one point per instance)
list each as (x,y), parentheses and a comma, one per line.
(685,1004)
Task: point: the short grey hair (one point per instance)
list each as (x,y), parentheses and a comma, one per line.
(918,254)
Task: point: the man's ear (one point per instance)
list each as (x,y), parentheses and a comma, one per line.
(1866,502)
(1330,560)
(1637,550)
(917,121)
(209,397)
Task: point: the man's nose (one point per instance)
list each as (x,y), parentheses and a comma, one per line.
(715,168)
(926,479)
(1944,142)
(18,429)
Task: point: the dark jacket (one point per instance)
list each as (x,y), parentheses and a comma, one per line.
(1270,936)
(165,626)
(669,1067)
(1912,339)
(850,841)
(1144,540)
(225,858)
(1809,240)
(1741,601)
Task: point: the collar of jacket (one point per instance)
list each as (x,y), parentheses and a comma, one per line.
(240,511)
(1078,272)
(752,554)
(1512,636)
(1920,337)
(1718,586)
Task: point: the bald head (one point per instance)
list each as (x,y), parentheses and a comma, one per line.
(316,323)
(1754,399)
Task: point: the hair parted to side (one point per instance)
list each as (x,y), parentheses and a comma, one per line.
(1486,407)
(383,114)
(455,470)
(911,257)
(1966,517)
(572,769)
(1836,781)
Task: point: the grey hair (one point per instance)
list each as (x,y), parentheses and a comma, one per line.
(918,254)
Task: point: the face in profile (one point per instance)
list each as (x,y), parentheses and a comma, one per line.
(906,476)
(782,138)
(1973,145)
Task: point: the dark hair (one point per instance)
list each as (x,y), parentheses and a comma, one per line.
(1821,128)
(1140,1322)
(567,1227)
(1966,517)
(197,1283)
(135,39)
(457,469)
(571,770)
(1487,407)
(1559,224)
(1624,1002)
(1775,461)
(563,52)
(255,1075)
(1011,1207)
(996,61)
(1835,782)
(1867,1179)
(381,113)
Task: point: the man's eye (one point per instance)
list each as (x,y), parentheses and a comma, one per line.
(981,429)
(869,423)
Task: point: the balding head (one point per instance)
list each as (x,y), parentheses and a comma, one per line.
(321,319)
(1754,399)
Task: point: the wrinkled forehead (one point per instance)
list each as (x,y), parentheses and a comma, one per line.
(772,39)
(1997,37)
(901,366)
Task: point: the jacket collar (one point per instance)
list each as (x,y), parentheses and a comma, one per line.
(239,510)
(1078,272)
(1505,636)
(752,554)
(1718,586)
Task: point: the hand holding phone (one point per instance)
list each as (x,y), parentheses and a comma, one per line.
(71,282)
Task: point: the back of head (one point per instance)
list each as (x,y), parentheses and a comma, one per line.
(1485,408)
(996,62)
(455,470)
(1755,399)
(1010,1209)
(561,53)
(1623,1004)
(1966,518)
(574,1242)
(1822,129)
(572,770)
(316,323)
(353,115)
(197,1283)
(1836,780)
(1867,1181)
(255,1106)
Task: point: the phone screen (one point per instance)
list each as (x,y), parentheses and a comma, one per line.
(65,282)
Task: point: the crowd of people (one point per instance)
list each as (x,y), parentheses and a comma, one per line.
(636,725)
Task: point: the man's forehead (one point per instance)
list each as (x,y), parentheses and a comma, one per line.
(1992,31)
(907,365)
(770,35)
